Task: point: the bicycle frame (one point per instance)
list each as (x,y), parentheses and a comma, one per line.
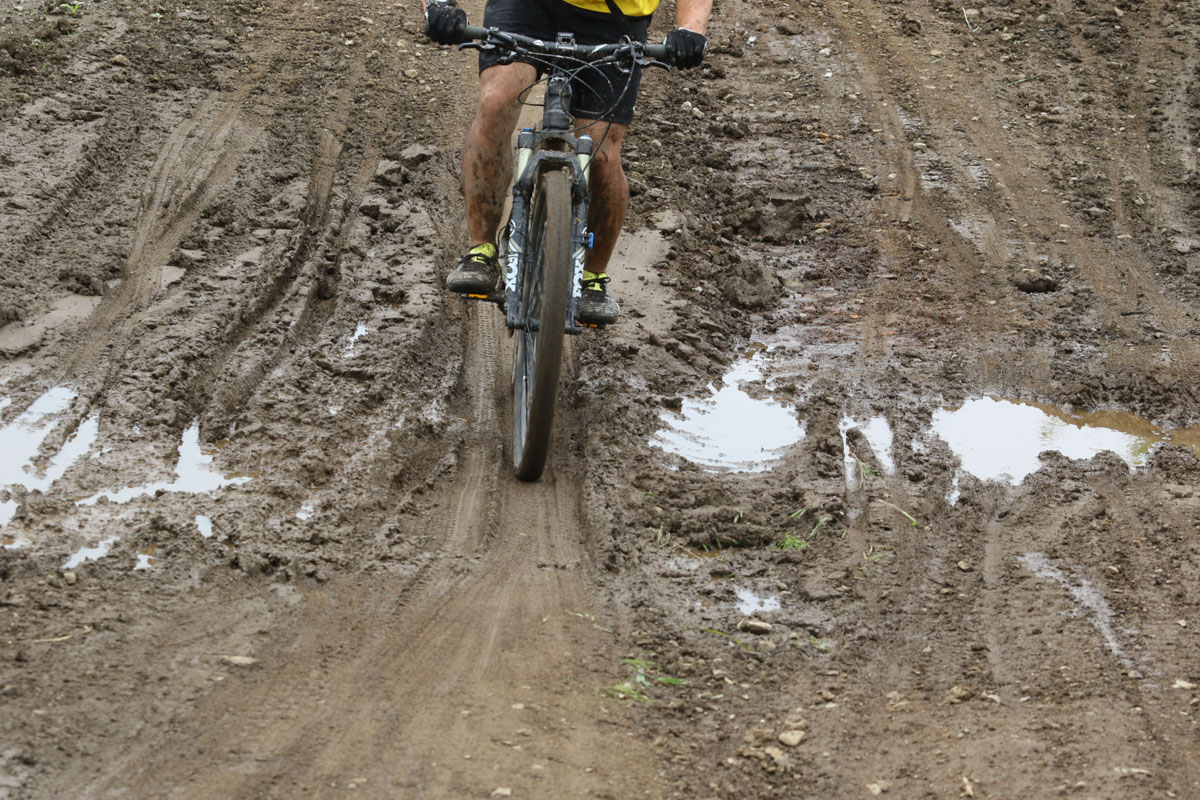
(543,267)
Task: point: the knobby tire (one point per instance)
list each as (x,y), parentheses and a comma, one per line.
(543,296)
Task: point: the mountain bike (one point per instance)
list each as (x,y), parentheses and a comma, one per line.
(545,239)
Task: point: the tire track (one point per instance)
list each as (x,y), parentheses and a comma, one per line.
(194,164)
(401,688)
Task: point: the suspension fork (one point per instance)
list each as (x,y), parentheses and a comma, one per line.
(573,154)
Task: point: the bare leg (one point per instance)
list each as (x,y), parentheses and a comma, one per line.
(487,153)
(609,191)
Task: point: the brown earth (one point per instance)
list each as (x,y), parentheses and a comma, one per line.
(235,219)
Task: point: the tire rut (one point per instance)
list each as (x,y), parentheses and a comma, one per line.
(485,631)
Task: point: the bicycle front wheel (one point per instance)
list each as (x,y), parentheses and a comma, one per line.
(543,297)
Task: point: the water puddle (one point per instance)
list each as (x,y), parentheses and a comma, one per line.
(955,491)
(92,553)
(21,439)
(145,558)
(8,510)
(733,428)
(351,347)
(1000,439)
(204,525)
(750,603)
(878,434)
(192,475)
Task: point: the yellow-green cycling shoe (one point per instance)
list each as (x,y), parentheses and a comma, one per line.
(476,272)
(596,306)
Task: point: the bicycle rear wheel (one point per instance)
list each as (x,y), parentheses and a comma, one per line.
(538,349)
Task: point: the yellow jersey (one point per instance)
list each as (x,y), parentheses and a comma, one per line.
(630,8)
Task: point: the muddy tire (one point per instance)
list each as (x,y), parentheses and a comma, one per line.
(538,352)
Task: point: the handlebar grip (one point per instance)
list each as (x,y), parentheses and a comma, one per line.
(658,52)
(475,32)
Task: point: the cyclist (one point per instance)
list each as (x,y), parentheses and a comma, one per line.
(603,103)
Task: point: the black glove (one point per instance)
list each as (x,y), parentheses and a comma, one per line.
(445,22)
(685,49)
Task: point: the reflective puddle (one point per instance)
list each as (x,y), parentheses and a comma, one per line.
(750,603)
(204,525)
(878,434)
(733,428)
(91,553)
(21,440)
(352,346)
(193,474)
(145,557)
(1000,439)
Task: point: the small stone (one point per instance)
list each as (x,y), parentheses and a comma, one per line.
(955,695)
(411,73)
(757,737)
(70,578)
(240,661)
(1033,282)
(965,566)
(878,787)
(697,113)
(755,626)
(119,61)
(502,791)
(1180,683)
(417,154)
(792,738)
(667,221)
(778,756)
(372,206)
(390,173)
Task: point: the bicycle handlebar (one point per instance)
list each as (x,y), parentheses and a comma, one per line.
(648,54)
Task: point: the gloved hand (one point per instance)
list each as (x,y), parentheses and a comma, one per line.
(685,49)
(445,22)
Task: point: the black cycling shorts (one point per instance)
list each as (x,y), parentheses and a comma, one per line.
(597,93)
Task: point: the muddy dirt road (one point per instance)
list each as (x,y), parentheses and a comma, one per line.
(884,485)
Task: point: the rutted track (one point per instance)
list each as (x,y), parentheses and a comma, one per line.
(231,223)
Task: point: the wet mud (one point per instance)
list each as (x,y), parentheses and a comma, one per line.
(885,483)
